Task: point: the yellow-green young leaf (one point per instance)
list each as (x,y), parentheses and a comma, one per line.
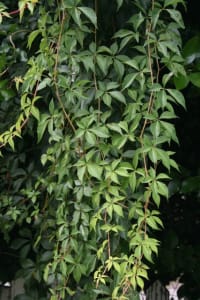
(70,291)
(122,172)
(142,273)
(69,259)
(133,282)
(94,170)
(115,292)
(93,223)
(156,196)
(46,273)
(138,252)
(35,112)
(140,282)
(22,5)
(118,209)
(151,222)
(153,155)
(81,173)
(117,267)
(32,36)
(11,143)
(42,125)
(162,189)
(132,181)
(63,267)
(147,253)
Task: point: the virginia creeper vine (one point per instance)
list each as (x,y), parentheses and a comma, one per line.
(99,105)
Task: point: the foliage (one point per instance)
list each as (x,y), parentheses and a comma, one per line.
(86,127)
(191,55)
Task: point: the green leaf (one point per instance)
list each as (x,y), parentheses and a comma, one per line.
(35,112)
(173,2)
(42,125)
(77,274)
(147,253)
(119,141)
(177,96)
(76,16)
(118,96)
(132,181)
(90,14)
(119,3)
(181,82)
(6,94)
(103,63)
(123,33)
(118,209)
(162,98)
(18,243)
(132,63)
(176,16)
(90,138)
(162,189)
(119,68)
(170,130)
(32,36)
(128,80)
(140,281)
(101,132)
(151,222)
(114,127)
(94,170)
(81,173)
(191,50)
(107,99)
(195,78)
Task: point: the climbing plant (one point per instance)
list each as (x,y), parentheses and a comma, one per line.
(87,109)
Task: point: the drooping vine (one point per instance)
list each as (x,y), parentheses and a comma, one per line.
(101,111)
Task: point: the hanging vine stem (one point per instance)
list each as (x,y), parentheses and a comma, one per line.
(151,100)
(55,73)
(94,74)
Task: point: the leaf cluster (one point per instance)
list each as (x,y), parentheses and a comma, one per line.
(84,181)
